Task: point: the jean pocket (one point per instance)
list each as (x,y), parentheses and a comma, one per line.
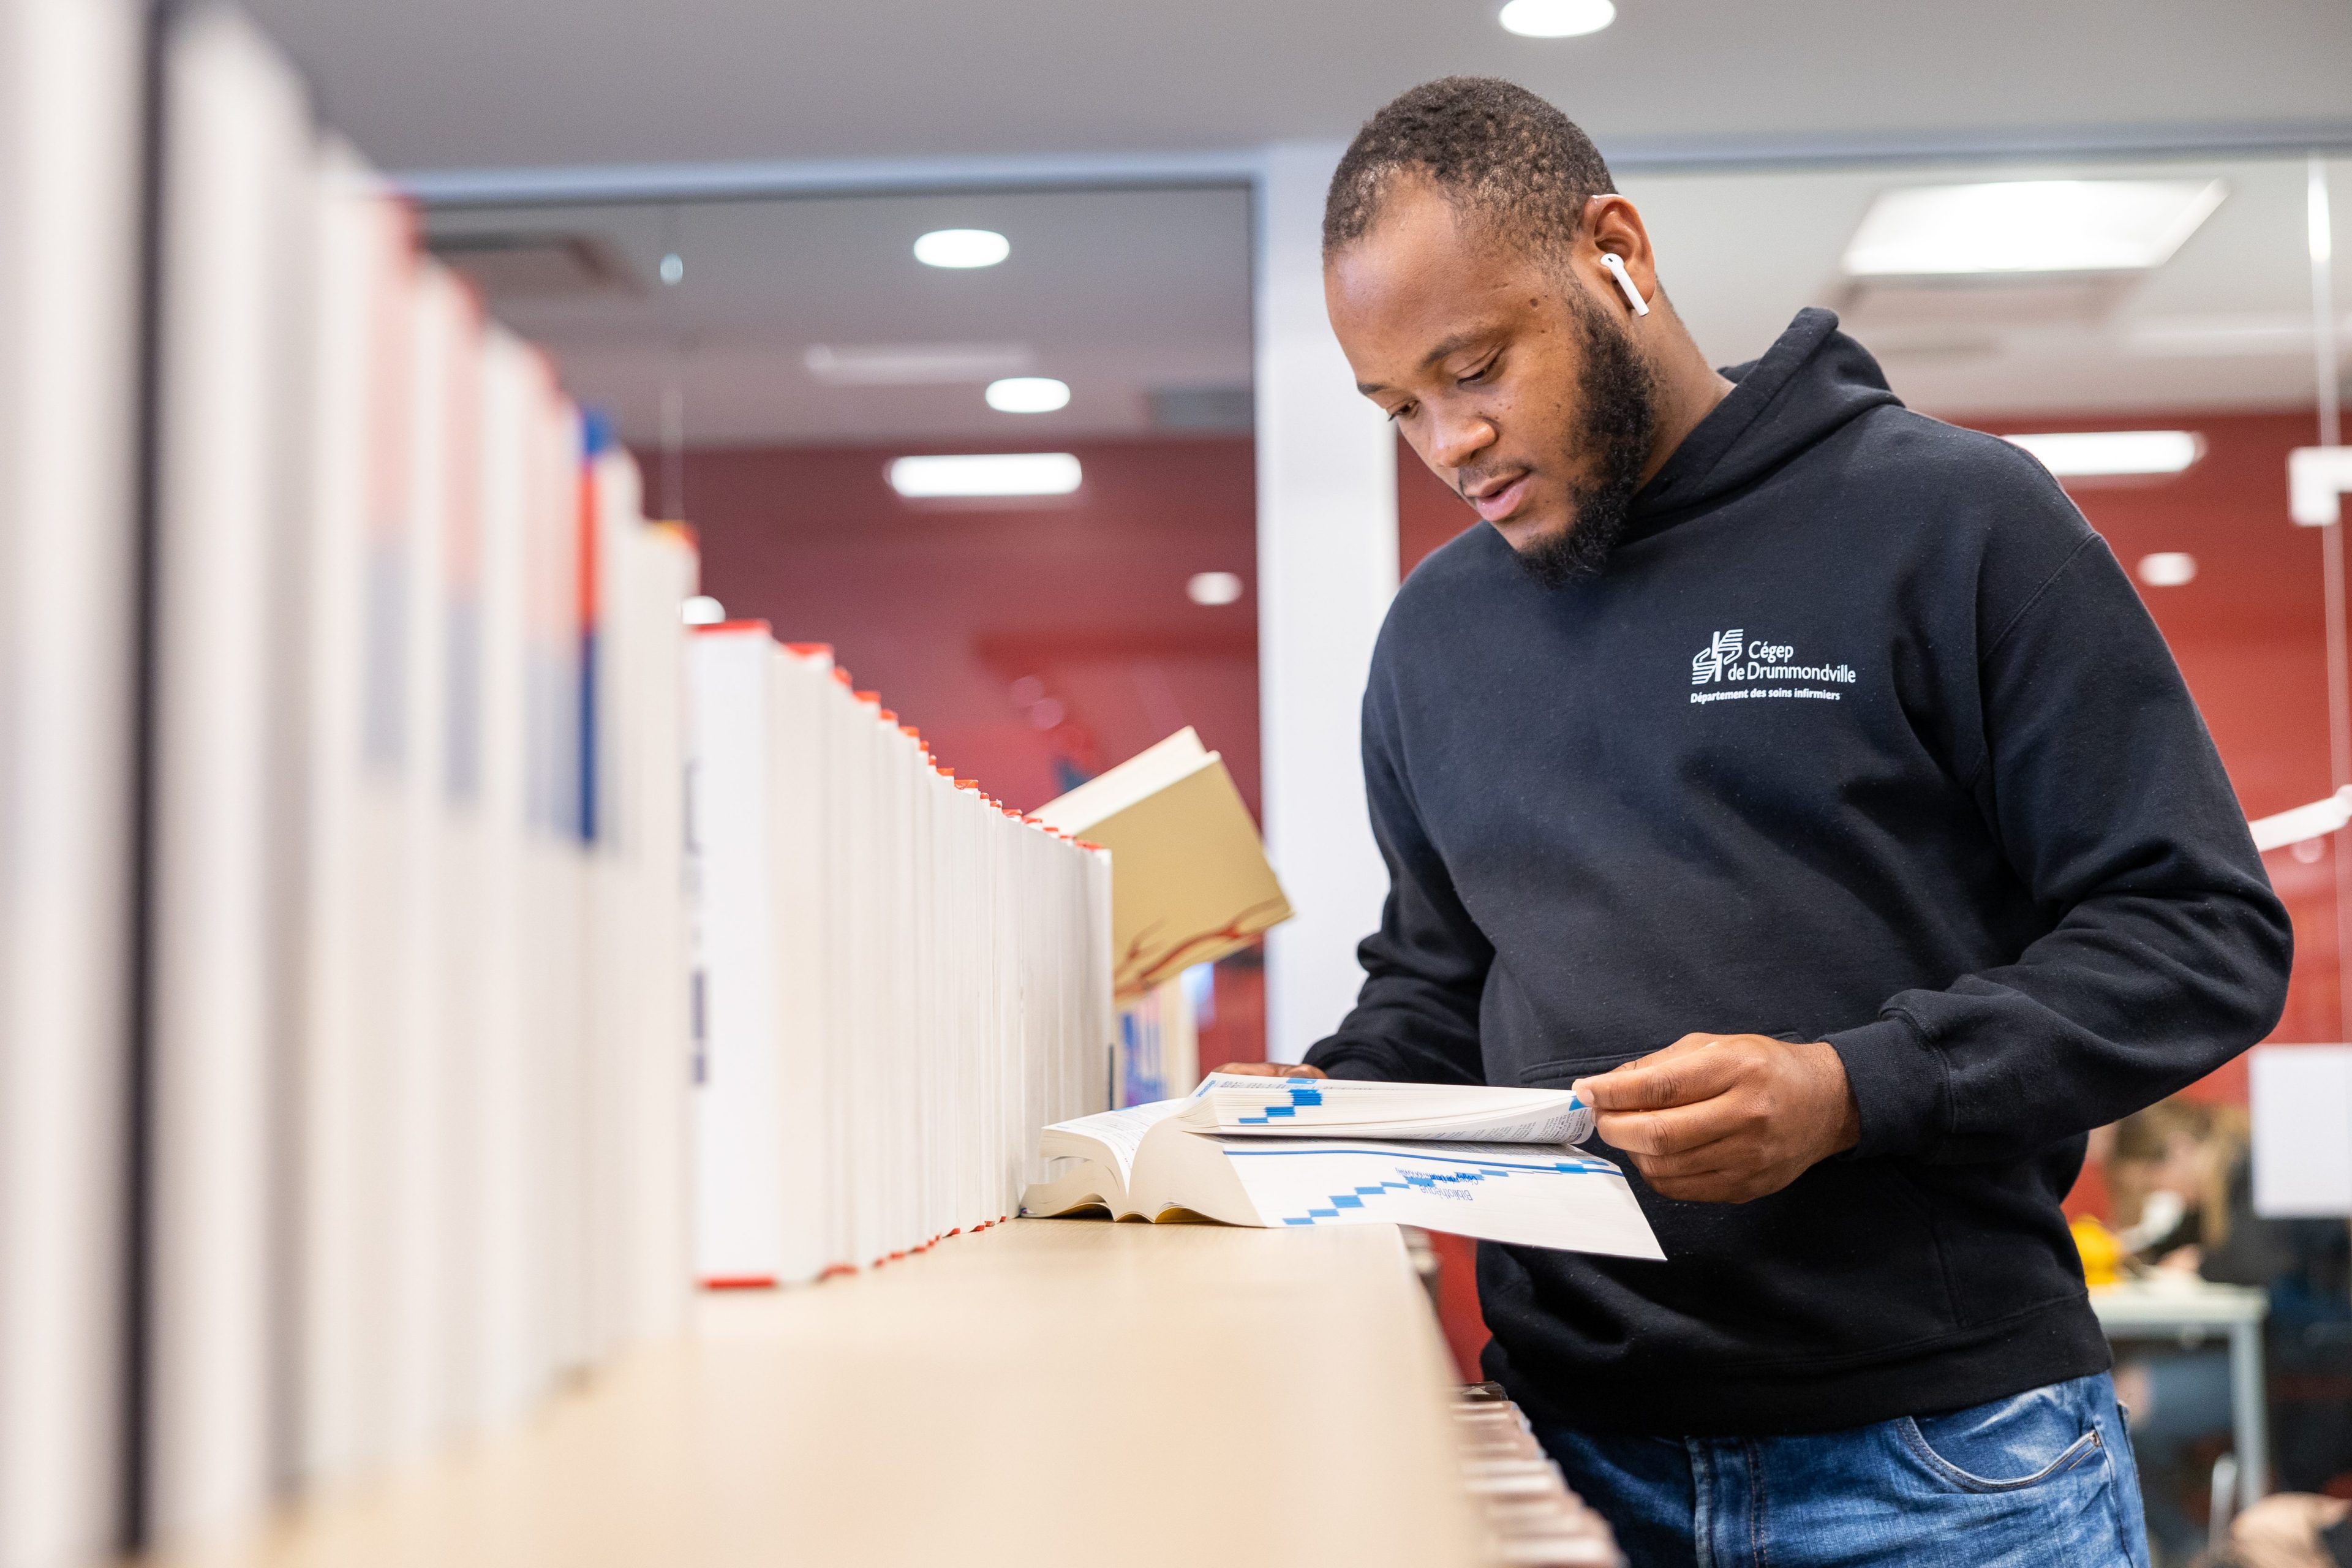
(2003,1447)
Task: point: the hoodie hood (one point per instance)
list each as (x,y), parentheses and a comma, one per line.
(1811,382)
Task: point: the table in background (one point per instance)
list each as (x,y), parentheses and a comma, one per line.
(2186,1312)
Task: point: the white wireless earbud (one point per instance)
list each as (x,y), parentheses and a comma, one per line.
(1616,265)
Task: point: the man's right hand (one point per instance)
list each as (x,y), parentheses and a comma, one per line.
(1274,1069)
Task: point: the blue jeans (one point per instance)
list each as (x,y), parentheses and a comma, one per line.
(2044,1478)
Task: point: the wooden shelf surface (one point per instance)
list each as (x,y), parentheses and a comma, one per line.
(1051,1393)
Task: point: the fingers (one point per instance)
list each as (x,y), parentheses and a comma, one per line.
(1693,1165)
(1693,1068)
(1273,1070)
(1679,1129)
(1730,1183)
(1719,1187)
(1727,1172)
(1724,1118)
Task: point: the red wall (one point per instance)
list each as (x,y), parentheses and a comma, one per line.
(942,607)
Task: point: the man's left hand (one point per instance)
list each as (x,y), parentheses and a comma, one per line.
(1723,1119)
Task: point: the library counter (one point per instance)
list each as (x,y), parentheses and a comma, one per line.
(1043,1392)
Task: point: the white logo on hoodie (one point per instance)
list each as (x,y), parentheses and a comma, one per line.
(1729,656)
(1708,664)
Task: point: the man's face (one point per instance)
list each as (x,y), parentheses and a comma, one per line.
(1509,378)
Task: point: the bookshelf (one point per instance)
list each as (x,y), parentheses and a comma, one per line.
(1065,1392)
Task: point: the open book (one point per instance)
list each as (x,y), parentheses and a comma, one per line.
(1188,878)
(1497,1164)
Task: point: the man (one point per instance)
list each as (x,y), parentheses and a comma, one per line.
(1801,779)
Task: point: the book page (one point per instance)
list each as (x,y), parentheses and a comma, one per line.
(1526,1195)
(1191,880)
(1241,1105)
(1145,774)
(1120,1133)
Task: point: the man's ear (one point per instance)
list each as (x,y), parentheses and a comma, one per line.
(1613,226)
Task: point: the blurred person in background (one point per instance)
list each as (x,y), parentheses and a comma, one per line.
(2169,1171)
(2180,1185)
(2289,1530)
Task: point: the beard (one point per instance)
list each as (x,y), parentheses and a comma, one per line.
(1612,435)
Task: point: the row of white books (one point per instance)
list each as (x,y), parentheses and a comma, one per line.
(417,1031)
(349,1013)
(876,1061)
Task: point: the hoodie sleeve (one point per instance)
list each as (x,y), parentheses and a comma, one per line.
(1416,1019)
(2168,954)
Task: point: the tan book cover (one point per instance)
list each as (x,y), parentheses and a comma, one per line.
(1188,878)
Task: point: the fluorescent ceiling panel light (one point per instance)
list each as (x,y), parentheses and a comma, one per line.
(986,474)
(1028,395)
(915,365)
(963,248)
(2167,569)
(2094,454)
(1556,18)
(702,610)
(2317,480)
(2264,332)
(2029,226)
(2321,817)
(1214,588)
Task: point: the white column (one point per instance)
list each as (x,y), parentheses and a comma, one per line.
(1327,567)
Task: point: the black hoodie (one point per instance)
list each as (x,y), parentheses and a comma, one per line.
(1861,736)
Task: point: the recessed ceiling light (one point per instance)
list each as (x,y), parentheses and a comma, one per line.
(986,474)
(2093,454)
(2167,569)
(1214,588)
(1028,395)
(1557,18)
(963,248)
(2029,225)
(702,610)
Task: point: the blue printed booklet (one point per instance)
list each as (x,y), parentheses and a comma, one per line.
(1497,1163)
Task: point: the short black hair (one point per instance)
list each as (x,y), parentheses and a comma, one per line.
(1491,146)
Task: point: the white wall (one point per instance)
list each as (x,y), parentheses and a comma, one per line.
(1327,567)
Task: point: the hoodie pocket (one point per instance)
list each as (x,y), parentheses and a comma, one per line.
(1847,1260)
(1560,1073)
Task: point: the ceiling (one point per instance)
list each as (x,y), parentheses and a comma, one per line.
(1140,300)
(1132,296)
(2226,324)
(471,83)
